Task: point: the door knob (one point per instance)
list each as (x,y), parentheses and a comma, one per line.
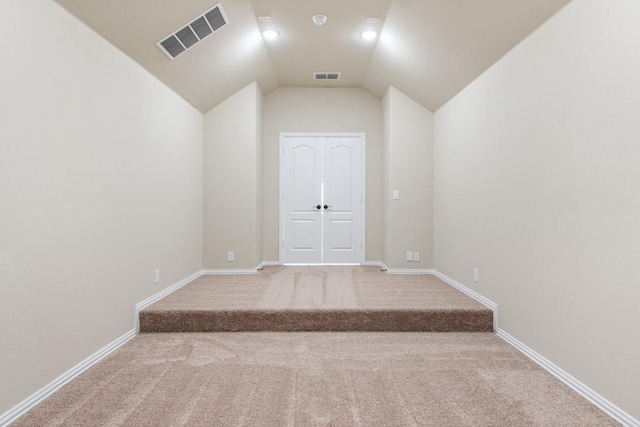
(317,206)
(328,206)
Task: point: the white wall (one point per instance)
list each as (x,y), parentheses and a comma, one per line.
(407,168)
(322,110)
(537,184)
(232,192)
(100,184)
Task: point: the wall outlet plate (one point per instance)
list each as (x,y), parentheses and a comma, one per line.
(476,275)
(416,256)
(157,276)
(231,256)
(409,256)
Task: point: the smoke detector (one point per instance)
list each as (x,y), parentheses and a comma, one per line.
(319,19)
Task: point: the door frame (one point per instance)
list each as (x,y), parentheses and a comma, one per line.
(363,159)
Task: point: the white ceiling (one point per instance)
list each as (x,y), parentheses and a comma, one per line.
(428,49)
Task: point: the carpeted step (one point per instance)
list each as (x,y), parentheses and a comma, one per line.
(317,298)
(433,320)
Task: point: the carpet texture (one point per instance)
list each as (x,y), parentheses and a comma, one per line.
(323,298)
(316,379)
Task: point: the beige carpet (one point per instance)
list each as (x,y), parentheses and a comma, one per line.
(323,298)
(316,379)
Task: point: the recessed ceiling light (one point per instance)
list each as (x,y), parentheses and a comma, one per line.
(369,34)
(270,34)
(319,19)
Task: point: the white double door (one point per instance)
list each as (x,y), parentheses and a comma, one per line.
(322,198)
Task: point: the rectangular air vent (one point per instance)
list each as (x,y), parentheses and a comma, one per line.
(190,34)
(324,75)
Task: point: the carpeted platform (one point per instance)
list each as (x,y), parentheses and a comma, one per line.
(316,379)
(322,298)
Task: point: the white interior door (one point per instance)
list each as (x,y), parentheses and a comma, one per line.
(322,199)
(302,200)
(342,200)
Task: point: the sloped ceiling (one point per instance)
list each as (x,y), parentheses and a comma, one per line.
(428,49)
(431,49)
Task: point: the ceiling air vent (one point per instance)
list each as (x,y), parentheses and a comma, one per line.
(325,76)
(196,30)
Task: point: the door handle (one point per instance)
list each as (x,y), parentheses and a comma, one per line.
(317,207)
(328,206)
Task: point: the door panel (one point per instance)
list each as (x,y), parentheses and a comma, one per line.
(342,176)
(340,180)
(302,192)
(303,235)
(340,235)
(305,158)
(322,171)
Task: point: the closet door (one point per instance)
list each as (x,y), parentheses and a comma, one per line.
(342,201)
(302,200)
(322,199)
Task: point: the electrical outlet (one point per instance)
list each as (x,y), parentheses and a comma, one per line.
(157,276)
(409,256)
(231,256)
(476,275)
(416,256)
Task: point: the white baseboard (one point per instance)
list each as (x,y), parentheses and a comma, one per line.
(384,267)
(267,264)
(374,264)
(14,413)
(216,272)
(409,271)
(607,407)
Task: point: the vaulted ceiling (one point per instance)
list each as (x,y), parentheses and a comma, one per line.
(428,49)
